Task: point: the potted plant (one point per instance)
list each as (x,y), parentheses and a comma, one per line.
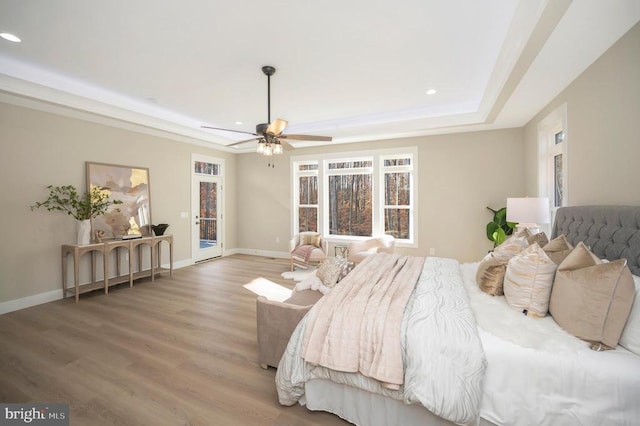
(83,207)
(499,228)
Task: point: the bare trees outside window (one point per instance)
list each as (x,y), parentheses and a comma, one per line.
(363,195)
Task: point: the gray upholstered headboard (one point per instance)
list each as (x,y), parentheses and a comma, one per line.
(612,232)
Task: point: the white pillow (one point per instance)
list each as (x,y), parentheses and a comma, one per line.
(630,338)
(528,281)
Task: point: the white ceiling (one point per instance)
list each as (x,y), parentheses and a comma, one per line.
(355,70)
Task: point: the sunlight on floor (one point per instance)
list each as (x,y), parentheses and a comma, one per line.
(270,290)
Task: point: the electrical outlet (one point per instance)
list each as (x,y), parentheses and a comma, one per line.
(277,239)
(432,251)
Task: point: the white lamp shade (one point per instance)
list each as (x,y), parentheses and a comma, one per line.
(528,210)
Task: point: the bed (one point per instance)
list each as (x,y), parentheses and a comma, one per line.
(531,370)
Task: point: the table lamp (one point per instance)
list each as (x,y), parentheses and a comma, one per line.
(528,212)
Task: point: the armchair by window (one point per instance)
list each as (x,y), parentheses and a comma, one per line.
(317,254)
(359,250)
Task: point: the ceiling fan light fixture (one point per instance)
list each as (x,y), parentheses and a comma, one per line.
(277,148)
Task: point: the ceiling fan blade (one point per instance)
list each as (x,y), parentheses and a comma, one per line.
(277,126)
(244,141)
(306,138)
(228,130)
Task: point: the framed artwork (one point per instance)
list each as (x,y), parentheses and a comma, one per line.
(129,185)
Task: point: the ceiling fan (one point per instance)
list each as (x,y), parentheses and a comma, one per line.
(269,135)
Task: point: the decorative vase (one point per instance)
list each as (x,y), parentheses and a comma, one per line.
(159,229)
(84,232)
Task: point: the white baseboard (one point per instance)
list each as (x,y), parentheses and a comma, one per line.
(53,295)
(264,253)
(29,301)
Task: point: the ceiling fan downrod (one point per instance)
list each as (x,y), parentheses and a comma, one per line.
(268,70)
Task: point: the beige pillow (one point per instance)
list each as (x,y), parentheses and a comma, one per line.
(509,248)
(591,299)
(490,275)
(310,240)
(329,272)
(528,281)
(558,248)
(540,238)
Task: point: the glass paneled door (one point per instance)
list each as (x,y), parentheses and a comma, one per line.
(206,218)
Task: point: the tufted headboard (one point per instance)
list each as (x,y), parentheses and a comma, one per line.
(612,232)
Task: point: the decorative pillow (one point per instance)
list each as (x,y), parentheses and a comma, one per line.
(528,281)
(509,248)
(310,240)
(344,265)
(540,238)
(329,272)
(558,248)
(490,275)
(591,299)
(630,338)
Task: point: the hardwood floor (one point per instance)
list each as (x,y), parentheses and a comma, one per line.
(177,351)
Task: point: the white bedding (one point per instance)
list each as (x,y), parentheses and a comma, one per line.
(536,374)
(558,381)
(445,378)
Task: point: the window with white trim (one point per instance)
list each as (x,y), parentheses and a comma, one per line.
(552,158)
(350,197)
(398,217)
(307,189)
(356,195)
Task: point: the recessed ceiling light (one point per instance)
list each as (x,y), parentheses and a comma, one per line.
(432,92)
(238,123)
(10,37)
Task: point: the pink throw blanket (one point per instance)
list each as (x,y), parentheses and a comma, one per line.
(301,254)
(356,327)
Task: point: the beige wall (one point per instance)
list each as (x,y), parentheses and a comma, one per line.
(40,148)
(603,119)
(459,175)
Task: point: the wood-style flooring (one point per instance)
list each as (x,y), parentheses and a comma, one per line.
(177,351)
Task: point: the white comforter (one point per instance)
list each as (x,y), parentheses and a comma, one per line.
(443,356)
(538,374)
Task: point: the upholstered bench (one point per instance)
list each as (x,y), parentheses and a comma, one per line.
(276,322)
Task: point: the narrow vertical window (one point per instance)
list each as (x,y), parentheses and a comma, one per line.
(557,180)
(397,197)
(552,160)
(307,175)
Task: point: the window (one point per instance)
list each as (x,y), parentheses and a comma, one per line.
(350,187)
(205,168)
(397,197)
(357,195)
(552,159)
(308,197)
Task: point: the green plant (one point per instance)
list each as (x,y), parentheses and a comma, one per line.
(499,228)
(81,206)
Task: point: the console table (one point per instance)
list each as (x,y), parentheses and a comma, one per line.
(104,249)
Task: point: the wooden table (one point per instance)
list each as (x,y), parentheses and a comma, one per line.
(103,250)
